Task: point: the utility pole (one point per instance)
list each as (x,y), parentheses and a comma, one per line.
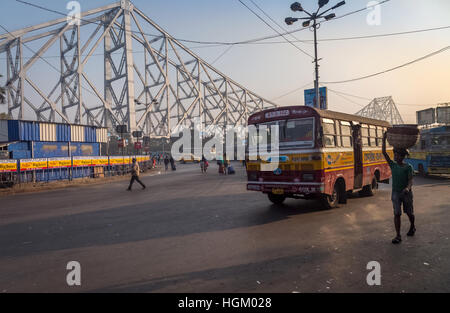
(316,61)
(314,17)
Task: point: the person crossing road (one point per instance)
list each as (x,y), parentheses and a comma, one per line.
(135,175)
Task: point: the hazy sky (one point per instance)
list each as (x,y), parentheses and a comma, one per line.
(275,69)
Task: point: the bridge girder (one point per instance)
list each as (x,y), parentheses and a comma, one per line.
(150,81)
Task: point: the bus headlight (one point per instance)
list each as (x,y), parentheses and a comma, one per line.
(308,177)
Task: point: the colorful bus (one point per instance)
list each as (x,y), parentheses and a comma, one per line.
(431,155)
(322,154)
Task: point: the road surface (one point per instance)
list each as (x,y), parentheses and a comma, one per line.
(189,232)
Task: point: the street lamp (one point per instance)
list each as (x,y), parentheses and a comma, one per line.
(315,19)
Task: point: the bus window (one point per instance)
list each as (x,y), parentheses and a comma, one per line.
(379,136)
(440,140)
(328,126)
(365,135)
(299,132)
(347,141)
(346,129)
(329,132)
(364,130)
(263,134)
(373,135)
(329,141)
(346,132)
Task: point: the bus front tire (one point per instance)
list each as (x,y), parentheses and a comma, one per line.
(276,199)
(331,201)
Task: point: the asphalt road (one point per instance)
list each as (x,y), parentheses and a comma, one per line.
(189,232)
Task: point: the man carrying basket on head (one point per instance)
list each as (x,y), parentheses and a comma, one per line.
(402,178)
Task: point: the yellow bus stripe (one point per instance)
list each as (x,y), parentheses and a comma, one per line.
(349,167)
(371,164)
(339,169)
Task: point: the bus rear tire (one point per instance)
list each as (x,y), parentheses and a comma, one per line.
(331,201)
(371,189)
(276,199)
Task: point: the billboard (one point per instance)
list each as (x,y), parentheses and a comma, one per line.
(59,162)
(33,164)
(443,114)
(8,166)
(426,117)
(310,98)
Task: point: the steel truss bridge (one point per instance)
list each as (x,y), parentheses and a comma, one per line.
(382,108)
(148,80)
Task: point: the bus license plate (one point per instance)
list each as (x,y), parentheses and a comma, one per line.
(277,191)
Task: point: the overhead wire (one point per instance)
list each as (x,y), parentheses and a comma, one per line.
(275,30)
(390,69)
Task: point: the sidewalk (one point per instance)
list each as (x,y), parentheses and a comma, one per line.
(62,184)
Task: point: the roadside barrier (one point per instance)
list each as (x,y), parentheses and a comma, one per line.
(22,171)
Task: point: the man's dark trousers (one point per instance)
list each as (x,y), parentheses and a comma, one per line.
(135,178)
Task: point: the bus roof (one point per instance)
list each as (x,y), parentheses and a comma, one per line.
(281,113)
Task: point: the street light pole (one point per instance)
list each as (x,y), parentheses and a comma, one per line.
(314,19)
(316,61)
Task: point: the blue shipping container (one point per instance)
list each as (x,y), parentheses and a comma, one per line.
(50,149)
(23,131)
(90,134)
(63,132)
(24,145)
(85,149)
(20,154)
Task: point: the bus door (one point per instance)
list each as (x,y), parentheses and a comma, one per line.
(358,156)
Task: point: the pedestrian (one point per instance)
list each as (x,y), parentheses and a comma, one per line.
(135,175)
(226,164)
(166,162)
(402,179)
(204,164)
(172,163)
(220,164)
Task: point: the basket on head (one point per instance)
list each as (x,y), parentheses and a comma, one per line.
(403,136)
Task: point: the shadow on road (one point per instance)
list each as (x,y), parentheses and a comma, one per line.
(157,219)
(249,276)
(431,180)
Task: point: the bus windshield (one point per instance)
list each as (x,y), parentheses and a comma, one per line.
(298,133)
(441,141)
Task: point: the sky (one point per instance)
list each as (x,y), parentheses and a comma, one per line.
(273,70)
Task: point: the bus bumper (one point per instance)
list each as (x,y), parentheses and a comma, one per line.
(288,189)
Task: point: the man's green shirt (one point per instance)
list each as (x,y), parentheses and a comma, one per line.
(400,175)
